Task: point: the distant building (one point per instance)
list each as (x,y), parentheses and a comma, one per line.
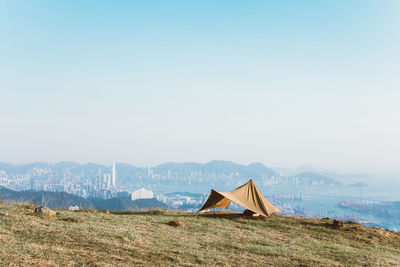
(105,178)
(176,203)
(73,208)
(108,181)
(141,193)
(114,174)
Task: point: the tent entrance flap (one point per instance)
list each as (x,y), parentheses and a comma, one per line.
(216,200)
(248,196)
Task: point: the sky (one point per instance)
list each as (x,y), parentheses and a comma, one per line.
(285,83)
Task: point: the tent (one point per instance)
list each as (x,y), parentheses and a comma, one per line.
(248,196)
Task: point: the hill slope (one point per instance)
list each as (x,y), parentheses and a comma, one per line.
(64,200)
(45,198)
(145,238)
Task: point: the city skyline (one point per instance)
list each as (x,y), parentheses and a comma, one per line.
(285,84)
(308,193)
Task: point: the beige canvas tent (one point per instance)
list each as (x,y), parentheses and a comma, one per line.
(248,196)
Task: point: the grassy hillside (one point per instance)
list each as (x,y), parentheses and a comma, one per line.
(145,238)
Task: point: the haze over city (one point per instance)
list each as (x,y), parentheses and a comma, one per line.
(184,81)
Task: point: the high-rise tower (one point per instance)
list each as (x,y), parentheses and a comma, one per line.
(109,182)
(114,174)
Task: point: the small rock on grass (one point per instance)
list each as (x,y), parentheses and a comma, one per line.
(45,212)
(177,224)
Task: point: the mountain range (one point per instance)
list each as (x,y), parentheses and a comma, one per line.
(213,173)
(215,166)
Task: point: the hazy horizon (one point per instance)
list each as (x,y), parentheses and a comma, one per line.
(282,83)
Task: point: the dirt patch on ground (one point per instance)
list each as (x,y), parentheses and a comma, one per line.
(177,224)
(72,219)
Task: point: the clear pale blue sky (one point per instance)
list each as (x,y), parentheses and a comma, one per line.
(285,83)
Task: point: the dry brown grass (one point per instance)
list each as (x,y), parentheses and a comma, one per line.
(94,238)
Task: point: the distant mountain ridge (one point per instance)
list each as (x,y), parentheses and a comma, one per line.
(212,166)
(218,166)
(213,173)
(64,200)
